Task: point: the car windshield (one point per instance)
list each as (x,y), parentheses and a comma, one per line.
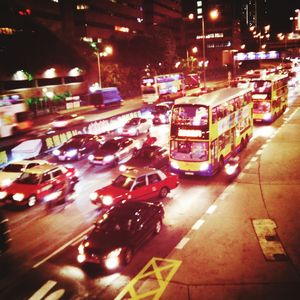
(13,168)
(124,182)
(111,146)
(134,121)
(75,142)
(29,178)
(113,225)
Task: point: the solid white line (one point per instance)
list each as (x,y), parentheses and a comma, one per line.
(211,209)
(62,247)
(248,166)
(39,294)
(253,159)
(198,224)
(182,243)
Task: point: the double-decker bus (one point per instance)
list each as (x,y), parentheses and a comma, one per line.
(162,87)
(270,97)
(207,130)
(14,115)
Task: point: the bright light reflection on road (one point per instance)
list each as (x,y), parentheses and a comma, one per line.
(265,131)
(72,272)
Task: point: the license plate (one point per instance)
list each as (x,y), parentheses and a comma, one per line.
(188,173)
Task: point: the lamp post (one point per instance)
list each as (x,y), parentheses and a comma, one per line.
(108,50)
(214,14)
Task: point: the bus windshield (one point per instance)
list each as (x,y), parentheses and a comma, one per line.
(261,86)
(189,151)
(190,115)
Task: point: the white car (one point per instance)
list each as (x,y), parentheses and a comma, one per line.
(13,170)
(135,126)
(67,120)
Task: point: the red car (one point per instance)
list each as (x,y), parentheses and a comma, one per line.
(38,184)
(136,184)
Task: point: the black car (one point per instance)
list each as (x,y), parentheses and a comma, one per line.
(4,234)
(152,156)
(115,150)
(119,233)
(78,146)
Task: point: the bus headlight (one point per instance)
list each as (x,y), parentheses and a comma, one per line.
(267,116)
(174,165)
(204,166)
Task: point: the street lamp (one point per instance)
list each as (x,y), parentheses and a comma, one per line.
(214,14)
(108,50)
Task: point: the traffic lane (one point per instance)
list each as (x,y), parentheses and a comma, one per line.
(180,215)
(193,182)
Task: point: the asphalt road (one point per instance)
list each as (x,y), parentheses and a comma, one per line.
(42,259)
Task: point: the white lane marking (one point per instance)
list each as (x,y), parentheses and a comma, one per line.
(248,166)
(211,209)
(259,152)
(198,224)
(268,140)
(182,243)
(62,248)
(253,159)
(39,294)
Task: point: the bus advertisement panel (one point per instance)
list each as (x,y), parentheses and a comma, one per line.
(270,97)
(207,130)
(14,116)
(162,87)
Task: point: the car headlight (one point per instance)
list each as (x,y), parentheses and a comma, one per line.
(3,194)
(94,196)
(112,260)
(81,258)
(18,197)
(132,131)
(56,152)
(107,200)
(6,182)
(71,153)
(108,158)
(91,157)
(122,168)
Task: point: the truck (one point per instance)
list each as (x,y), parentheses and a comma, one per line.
(105,96)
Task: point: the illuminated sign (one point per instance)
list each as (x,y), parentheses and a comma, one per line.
(257,55)
(190,133)
(259,96)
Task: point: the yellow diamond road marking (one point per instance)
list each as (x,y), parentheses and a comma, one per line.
(151,281)
(268,239)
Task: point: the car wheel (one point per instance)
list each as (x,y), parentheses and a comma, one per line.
(127,257)
(163,192)
(32,200)
(158,226)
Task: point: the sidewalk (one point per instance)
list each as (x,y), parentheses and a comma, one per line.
(247,244)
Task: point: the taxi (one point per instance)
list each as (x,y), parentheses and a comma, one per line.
(35,184)
(136,185)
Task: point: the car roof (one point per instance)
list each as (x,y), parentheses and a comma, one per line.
(136,172)
(41,169)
